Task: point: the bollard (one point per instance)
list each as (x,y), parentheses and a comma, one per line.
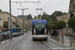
(70,42)
(9,36)
(0,39)
(57,38)
(62,39)
(70,37)
(5,38)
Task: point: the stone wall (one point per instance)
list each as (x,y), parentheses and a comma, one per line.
(27,22)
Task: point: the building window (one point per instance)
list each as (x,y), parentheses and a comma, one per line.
(14,23)
(71,1)
(74,1)
(74,5)
(70,6)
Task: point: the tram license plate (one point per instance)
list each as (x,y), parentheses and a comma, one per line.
(40,38)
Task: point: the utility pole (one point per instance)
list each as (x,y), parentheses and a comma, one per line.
(10,20)
(23,17)
(27,22)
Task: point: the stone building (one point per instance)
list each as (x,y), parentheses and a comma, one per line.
(19,21)
(72,6)
(27,22)
(5,18)
(66,17)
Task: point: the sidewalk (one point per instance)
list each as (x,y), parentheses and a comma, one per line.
(65,41)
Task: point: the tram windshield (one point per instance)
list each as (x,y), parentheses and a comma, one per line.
(39,25)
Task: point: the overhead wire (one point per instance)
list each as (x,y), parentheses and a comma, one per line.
(39,9)
(22,6)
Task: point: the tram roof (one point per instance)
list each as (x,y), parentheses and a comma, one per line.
(39,21)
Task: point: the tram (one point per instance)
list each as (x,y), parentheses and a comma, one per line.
(39,29)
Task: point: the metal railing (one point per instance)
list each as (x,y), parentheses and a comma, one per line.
(65,36)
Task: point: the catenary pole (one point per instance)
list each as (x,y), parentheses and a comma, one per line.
(10,20)
(23,17)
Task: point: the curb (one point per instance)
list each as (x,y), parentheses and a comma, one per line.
(61,43)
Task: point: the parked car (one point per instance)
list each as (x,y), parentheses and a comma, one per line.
(21,32)
(24,31)
(8,34)
(5,35)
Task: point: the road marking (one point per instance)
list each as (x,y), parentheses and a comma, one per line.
(2,42)
(60,48)
(7,40)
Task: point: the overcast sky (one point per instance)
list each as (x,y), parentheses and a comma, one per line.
(48,6)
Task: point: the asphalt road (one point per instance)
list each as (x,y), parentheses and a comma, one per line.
(26,43)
